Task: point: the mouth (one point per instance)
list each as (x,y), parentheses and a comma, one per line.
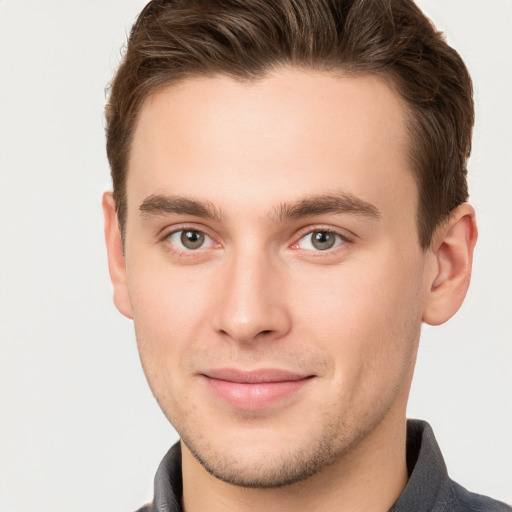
(256,389)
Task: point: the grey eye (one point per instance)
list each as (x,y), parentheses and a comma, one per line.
(192,239)
(323,240)
(320,240)
(189,239)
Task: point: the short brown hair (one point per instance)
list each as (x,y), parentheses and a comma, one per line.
(245,39)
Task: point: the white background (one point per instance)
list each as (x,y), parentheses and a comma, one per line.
(79,429)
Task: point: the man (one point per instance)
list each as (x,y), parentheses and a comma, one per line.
(289,206)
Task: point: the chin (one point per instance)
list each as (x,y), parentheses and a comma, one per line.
(263,470)
(260,460)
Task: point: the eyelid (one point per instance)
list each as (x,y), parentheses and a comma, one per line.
(187,226)
(346,236)
(183,226)
(165,233)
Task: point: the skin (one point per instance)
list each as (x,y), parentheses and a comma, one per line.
(258,294)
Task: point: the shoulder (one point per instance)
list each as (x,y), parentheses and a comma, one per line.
(430,489)
(462,500)
(145,508)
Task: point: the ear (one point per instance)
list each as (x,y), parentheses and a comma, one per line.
(115,253)
(452,258)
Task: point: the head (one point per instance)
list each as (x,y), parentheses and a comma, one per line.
(288,207)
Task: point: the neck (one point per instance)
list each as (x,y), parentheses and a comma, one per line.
(369,477)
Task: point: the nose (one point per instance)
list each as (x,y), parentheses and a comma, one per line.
(251,301)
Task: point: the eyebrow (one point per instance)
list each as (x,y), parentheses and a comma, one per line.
(179,205)
(342,203)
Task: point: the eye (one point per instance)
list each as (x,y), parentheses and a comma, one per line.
(189,239)
(321,240)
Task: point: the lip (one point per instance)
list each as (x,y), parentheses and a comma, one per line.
(255,389)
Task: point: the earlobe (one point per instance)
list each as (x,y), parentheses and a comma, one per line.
(452,258)
(116,258)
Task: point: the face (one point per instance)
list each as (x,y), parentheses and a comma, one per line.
(273,268)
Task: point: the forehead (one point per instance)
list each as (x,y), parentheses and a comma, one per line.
(291,133)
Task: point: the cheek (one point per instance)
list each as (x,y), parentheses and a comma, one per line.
(166,299)
(170,310)
(168,314)
(368,319)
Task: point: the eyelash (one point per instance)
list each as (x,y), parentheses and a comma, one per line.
(342,239)
(184,251)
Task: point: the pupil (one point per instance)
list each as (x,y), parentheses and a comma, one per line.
(192,239)
(323,240)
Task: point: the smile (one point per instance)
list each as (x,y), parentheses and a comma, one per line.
(256,389)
